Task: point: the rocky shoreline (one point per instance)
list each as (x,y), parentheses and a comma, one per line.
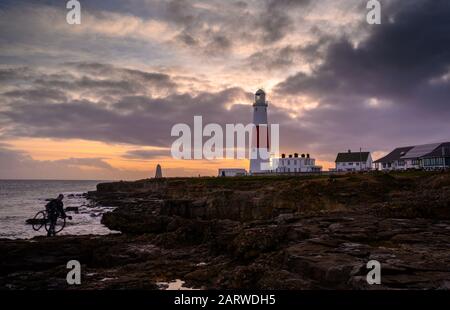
(252,232)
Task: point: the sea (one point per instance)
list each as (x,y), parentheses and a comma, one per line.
(22,199)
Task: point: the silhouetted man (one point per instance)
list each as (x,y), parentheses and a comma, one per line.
(55,209)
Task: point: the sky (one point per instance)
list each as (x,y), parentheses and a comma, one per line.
(98,100)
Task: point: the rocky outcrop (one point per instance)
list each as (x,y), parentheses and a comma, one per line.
(259,233)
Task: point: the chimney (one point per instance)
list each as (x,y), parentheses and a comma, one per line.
(296,155)
(349,151)
(283,155)
(303,155)
(290,155)
(307,155)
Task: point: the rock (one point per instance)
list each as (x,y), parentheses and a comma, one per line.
(254,241)
(71,209)
(136,223)
(35,221)
(259,233)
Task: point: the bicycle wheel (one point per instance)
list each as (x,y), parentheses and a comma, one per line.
(59,225)
(39,220)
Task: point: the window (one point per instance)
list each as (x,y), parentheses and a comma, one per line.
(357,164)
(446,151)
(350,164)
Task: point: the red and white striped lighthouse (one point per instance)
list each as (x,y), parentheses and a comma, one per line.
(260,137)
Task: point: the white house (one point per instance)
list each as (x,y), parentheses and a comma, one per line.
(232,172)
(296,164)
(353,161)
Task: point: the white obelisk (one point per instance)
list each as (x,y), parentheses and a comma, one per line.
(158,174)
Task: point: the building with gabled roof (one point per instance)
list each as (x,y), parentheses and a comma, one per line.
(353,161)
(394,161)
(427,156)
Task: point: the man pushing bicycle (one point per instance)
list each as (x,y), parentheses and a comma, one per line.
(55,209)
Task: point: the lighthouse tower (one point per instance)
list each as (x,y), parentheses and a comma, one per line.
(259,160)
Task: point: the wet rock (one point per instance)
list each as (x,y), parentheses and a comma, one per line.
(35,221)
(135,222)
(260,233)
(71,209)
(254,241)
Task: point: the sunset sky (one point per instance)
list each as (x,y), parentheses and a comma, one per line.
(98,100)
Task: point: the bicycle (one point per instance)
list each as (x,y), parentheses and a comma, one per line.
(41,219)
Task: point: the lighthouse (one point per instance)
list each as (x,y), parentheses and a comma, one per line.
(259,161)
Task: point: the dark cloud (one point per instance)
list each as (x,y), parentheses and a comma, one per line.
(281,58)
(396,62)
(125,118)
(275,25)
(14,74)
(377,86)
(187,39)
(41,93)
(181,12)
(159,79)
(380,94)
(145,154)
(132,119)
(286,4)
(225,24)
(19,165)
(275,20)
(241,5)
(219,44)
(85,162)
(120,79)
(91,79)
